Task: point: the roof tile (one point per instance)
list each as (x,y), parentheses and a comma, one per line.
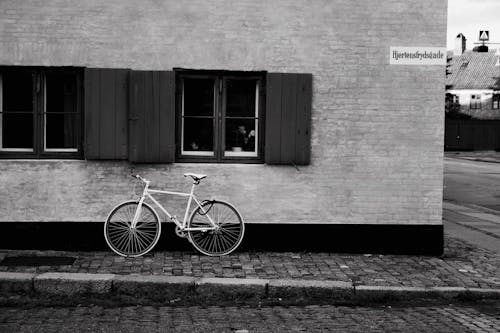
(473,70)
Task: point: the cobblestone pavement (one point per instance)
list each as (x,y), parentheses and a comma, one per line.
(450,318)
(462,265)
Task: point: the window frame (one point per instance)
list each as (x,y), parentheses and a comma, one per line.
(220,77)
(475,101)
(452,101)
(39,111)
(495,98)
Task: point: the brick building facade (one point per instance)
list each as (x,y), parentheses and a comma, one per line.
(360,154)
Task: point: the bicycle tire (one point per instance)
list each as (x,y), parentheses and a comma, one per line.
(125,241)
(223,240)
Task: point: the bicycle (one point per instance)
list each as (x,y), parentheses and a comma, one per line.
(133,227)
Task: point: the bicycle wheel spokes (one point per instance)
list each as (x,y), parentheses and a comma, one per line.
(127,241)
(225,237)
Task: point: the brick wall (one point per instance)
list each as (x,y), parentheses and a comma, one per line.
(377,130)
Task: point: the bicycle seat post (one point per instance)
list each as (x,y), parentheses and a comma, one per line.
(194,185)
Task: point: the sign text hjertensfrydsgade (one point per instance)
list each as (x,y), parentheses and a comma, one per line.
(396,55)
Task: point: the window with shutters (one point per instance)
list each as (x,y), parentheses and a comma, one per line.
(197,116)
(40,113)
(220,116)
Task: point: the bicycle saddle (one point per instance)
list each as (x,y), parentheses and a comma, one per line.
(196,177)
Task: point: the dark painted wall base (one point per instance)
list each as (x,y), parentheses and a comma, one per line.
(383,239)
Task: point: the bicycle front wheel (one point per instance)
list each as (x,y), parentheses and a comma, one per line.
(225,237)
(127,241)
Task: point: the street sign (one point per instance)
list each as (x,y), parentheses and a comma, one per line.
(417,55)
(484,35)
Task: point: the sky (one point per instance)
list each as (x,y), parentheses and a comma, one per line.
(469,17)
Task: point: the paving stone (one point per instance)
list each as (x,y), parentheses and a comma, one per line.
(462,265)
(314,318)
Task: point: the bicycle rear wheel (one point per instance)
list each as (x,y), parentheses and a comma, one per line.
(222,240)
(124,240)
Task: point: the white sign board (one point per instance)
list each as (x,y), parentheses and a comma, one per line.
(484,35)
(417,55)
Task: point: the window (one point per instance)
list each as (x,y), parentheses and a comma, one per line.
(475,101)
(16,112)
(39,113)
(452,101)
(496,101)
(220,117)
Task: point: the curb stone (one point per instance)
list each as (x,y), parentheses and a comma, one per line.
(73,283)
(16,282)
(154,287)
(486,293)
(381,292)
(181,287)
(310,289)
(231,288)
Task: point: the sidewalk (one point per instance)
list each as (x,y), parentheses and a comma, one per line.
(480,155)
(463,271)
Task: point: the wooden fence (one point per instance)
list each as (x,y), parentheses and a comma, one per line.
(471,134)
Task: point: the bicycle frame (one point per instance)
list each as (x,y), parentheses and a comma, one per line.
(182,225)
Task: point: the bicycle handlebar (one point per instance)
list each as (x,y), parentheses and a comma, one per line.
(140,178)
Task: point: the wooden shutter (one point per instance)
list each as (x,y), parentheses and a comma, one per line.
(152,117)
(106,100)
(288,118)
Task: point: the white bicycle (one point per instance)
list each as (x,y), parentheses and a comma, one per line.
(215,228)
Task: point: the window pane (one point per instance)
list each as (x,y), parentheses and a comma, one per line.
(240,98)
(198,134)
(17,91)
(241,135)
(16,130)
(60,92)
(61,131)
(198,97)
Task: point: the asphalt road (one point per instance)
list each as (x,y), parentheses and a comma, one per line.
(472,182)
(471,208)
